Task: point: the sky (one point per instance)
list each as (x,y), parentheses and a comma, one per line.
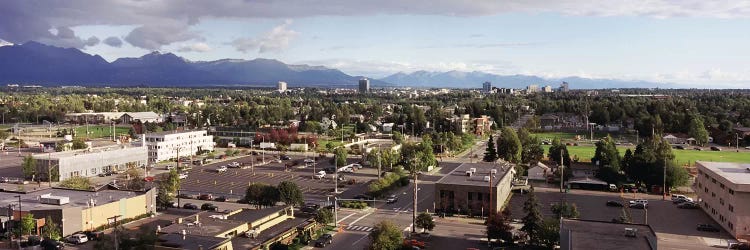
(692,43)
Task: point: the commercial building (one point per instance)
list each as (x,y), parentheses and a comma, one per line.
(474,188)
(76,210)
(723,190)
(532,88)
(167,145)
(90,162)
(487,87)
(226,231)
(564,87)
(282,86)
(586,234)
(547,89)
(364,85)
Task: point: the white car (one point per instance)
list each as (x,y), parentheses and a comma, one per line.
(183,176)
(169,167)
(347,169)
(234,164)
(644,202)
(77,239)
(320,175)
(678,196)
(221,169)
(308,160)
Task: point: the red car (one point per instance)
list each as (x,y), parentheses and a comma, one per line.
(149,178)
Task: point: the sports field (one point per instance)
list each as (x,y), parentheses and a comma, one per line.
(683,157)
(100,131)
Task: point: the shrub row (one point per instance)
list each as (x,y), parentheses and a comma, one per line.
(391,181)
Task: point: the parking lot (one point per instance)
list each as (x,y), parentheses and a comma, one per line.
(233,182)
(675,228)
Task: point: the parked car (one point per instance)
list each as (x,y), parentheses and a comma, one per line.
(638,206)
(77,239)
(209,206)
(285,157)
(50,244)
(682,200)
(644,202)
(688,205)
(391,199)
(94,235)
(342,177)
(308,160)
(221,169)
(614,204)
(346,169)
(356,165)
(677,196)
(234,164)
(324,240)
(169,167)
(206,197)
(698,148)
(190,206)
(320,175)
(310,208)
(714,148)
(707,228)
(221,199)
(183,176)
(148,178)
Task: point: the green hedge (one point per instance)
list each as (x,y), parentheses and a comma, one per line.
(391,181)
(353,204)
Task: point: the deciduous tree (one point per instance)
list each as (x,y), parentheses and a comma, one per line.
(509,146)
(385,236)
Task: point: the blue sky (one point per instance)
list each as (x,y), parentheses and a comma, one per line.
(666,41)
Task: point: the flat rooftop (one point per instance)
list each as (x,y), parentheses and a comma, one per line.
(96,150)
(252,215)
(190,242)
(204,226)
(736,173)
(169,132)
(458,176)
(242,242)
(30,201)
(585,234)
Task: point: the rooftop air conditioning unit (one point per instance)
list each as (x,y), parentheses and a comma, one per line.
(493,171)
(473,170)
(468,173)
(630,232)
(487,178)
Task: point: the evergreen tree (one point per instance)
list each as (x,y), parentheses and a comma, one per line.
(498,227)
(697,130)
(532,222)
(509,146)
(490,154)
(555,150)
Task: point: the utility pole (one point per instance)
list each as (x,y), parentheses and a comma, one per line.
(414,212)
(489,213)
(664,180)
(335,175)
(562,171)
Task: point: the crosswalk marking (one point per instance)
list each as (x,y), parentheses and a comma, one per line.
(359,228)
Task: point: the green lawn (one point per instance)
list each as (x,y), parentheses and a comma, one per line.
(568,136)
(100,131)
(585,153)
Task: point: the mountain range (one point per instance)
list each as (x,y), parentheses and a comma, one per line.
(474,79)
(36,63)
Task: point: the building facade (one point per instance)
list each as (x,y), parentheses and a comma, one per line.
(469,193)
(723,190)
(90,162)
(167,145)
(76,210)
(364,85)
(282,86)
(487,87)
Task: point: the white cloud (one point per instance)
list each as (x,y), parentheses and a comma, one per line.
(274,41)
(4,43)
(195,47)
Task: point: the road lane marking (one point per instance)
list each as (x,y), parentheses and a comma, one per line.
(346,217)
(408,228)
(363,237)
(360,218)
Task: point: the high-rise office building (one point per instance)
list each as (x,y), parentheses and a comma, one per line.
(487,87)
(564,87)
(364,85)
(532,88)
(282,86)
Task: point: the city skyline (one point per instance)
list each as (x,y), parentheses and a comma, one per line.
(689,43)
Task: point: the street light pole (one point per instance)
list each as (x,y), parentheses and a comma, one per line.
(664,181)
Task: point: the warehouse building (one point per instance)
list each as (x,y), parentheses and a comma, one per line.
(90,162)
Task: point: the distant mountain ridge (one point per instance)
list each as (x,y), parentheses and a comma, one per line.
(474,79)
(37,63)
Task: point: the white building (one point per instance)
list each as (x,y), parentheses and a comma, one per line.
(165,145)
(90,162)
(547,89)
(539,172)
(532,88)
(723,190)
(282,86)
